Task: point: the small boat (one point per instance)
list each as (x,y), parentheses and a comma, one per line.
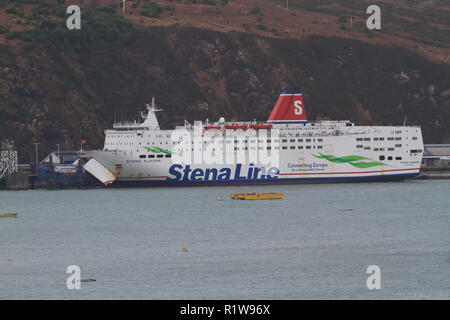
(212,127)
(261,125)
(236,126)
(257,196)
(5,215)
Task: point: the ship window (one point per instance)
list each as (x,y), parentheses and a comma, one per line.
(366,139)
(359,139)
(284,148)
(382,157)
(381,139)
(414,138)
(142,156)
(375,149)
(366,148)
(300,140)
(319,147)
(389,158)
(398,145)
(269,148)
(390,149)
(398,132)
(292,140)
(159,156)
(269,140)
(398,138)
(398,158)
(308,140)
(277,148)
(319,140)
(292,147)
(308,147)
(359,146)
(375,139)
(390,139)
(168,156)
(381,149)
(284,140)
(300,147)
(151,156)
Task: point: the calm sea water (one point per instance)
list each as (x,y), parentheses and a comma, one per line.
(315,244)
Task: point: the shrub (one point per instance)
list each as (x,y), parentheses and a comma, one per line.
(151,9)
(255,10)
(262,27)
(210,2)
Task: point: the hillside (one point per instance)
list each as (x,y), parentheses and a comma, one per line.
(204,61)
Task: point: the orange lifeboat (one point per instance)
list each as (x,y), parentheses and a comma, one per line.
(261,125)
(212,127)
(236,126)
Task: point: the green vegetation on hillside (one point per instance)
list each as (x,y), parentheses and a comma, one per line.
(98,25)
(59,85)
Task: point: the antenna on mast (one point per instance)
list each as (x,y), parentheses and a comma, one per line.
(153,106)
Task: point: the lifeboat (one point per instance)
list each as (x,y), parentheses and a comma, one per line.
(261,125)
(236,126)
(212,127)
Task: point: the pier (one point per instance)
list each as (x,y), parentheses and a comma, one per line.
(59,170)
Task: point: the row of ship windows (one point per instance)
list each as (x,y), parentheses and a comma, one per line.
(259,140)
(229,142)
(151,156)
(390,158)
(360,146)
(382,139)
(275,148)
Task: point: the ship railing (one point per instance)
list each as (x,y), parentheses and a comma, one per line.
(321,134)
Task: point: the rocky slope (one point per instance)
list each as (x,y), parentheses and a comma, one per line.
(57,88)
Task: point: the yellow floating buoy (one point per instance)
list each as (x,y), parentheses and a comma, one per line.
(5,215)
(219,198)
(185,248)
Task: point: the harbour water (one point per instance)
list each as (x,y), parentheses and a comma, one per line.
(316,243)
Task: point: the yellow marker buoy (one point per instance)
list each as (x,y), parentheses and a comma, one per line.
(219,198)
(185,248)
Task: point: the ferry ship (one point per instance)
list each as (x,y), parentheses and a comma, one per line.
(302,151)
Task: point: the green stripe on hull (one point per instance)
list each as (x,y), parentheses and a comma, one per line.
(355,161)
(157,150)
